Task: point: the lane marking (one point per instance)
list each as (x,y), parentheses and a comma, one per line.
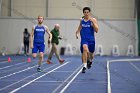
(124,60)
(62,91)
(138,69)
(18,72)
(4,62)
(108,78)
(17,89)
(11,65)
(66,80)
(25,78)
(108,70)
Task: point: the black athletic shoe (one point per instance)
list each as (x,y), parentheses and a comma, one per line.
(83,70)
(39,69)
(89,64)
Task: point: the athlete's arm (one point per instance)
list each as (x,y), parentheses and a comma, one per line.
(31,37)
(95,24)
(79,29)
(50,35)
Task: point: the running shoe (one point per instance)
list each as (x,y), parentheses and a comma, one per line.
(61,61)
(89,64)
(39,69)
(83,70)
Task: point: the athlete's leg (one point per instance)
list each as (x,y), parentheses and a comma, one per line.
(41,54)
(91,54)
(34,51)
(85,53)
(41,48)
(84,57)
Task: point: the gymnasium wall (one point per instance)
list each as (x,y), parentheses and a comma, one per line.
(111,32)
(103,9)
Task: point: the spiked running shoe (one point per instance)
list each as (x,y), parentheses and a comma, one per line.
(89,64)
(39,69)
(83,70)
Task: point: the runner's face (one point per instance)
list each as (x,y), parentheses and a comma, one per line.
(40,20)
(86,13)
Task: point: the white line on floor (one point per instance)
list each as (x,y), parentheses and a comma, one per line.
(25,78)
(17,89)
(62,91)
(138,69)
(108,70)
(66,80)
(12,65)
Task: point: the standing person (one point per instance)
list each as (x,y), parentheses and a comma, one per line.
(26,37)
(38,43)
(55,42)
(88,26)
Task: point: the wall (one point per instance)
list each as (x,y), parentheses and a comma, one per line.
(12,29)
(5,5)
(65,8)
(103,9)
(29,8)
(113,9)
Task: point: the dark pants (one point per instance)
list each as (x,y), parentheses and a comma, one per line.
(26,47)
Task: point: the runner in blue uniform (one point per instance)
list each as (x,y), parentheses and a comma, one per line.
(88,26)
(38,43)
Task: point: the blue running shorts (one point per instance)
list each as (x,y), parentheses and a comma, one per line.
(90,44)
(38,47)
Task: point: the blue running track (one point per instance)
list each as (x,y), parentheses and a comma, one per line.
(107,75)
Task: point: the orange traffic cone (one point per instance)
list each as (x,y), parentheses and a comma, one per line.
(29,59)
(9,59)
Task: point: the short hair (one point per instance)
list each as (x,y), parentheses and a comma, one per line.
(41,16)
(86,8)
(25,30)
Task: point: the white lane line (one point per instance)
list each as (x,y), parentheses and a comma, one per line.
(11,65)
(108,70)
(3,62)
(17,72)
(17,89)
(108,78)
(124,60)
(63,71)
(63,90)
(66,80)
(138,69)
(25,78)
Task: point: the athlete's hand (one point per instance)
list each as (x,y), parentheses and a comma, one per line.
(76,36)
(91,19)
(49,43)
